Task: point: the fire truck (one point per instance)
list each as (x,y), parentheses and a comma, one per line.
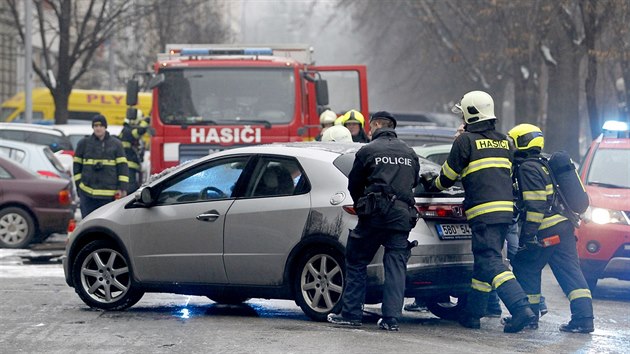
(208,98)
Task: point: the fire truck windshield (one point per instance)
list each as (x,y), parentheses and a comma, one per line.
(227,96)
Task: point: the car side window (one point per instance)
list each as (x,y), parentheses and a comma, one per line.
(277,177)
(4,174)
(213,181)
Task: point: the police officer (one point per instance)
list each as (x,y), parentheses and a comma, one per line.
(381,184)
(481,157)
(133,130)
(99,168)
(542,224)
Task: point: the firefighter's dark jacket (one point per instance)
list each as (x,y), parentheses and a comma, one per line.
(482,158)
(130,138)
(100,167)
(388,170)
(536,193)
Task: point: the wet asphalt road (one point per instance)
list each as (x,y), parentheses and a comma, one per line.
(40,313)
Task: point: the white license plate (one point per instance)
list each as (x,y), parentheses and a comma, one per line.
(453,231)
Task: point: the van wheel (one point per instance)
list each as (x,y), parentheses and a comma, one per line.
(17,228)
(318,283)
(447,307)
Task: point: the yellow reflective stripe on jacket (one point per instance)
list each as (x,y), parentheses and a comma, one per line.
(481,286)
(539,194)
(122,178)
(448,171)
(488,162)
(126,144)
(579,293)
(133,165)
(121,159)
(551,221)
(77,159)
(489,207)
(533,216)
(76,177)
(502,278)
(533,298)
(98,192)
(102,162)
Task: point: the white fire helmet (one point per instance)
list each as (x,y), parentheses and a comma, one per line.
(327,117)
(475,106)
(337,133)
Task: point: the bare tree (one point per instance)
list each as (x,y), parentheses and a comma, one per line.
(77,29)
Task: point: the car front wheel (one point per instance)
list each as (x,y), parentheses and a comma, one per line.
(102,277)
(318,283)
(17,228)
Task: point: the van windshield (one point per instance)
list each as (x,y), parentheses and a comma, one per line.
(226,96)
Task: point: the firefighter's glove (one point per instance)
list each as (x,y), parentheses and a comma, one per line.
(526,241)
(427,180)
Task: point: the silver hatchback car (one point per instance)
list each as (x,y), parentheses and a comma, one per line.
(266,221)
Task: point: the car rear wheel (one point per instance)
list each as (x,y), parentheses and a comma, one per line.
(318,283)
(447,307)
(102,277)
(17,228)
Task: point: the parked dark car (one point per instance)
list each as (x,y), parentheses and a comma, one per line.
(32,207)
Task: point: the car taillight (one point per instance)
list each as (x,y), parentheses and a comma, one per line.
(48,174)
(64,197)
(439,211)
(349,209)
(72,224)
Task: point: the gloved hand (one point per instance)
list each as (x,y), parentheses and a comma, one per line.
(526,241)
(426,179)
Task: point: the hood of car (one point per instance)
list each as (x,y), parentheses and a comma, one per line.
(609,198)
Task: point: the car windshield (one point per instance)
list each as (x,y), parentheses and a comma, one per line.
(226,96)
(610,167)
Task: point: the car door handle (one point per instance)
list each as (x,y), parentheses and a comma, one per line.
(209,216)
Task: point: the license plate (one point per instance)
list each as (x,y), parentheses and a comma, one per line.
(453,231)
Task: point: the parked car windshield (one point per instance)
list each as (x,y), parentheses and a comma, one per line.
(226,95)
(55,142)
(601,173)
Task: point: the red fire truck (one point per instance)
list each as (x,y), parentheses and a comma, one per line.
(212,97)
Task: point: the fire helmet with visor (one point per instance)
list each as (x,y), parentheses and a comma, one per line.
(527,136)
(353,116)
(475,106)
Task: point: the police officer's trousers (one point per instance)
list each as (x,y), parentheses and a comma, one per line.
(363,243)
(490,272)
(564,263)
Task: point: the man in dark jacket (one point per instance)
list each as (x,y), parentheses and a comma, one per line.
(100,168)
(381,183)
(481,157)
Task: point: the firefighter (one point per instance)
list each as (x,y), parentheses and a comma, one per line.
(99,168)
(543,226)
(326,120)
(355,122)
(133,130)
(481,157)
(381,184)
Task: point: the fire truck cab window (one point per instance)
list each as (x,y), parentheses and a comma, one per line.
(226,96)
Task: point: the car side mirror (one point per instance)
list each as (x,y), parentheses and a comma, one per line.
(145,196)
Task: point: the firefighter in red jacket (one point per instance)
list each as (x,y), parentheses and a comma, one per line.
(542,226)
(481,157)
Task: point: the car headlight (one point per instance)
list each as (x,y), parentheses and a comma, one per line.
(605,216)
